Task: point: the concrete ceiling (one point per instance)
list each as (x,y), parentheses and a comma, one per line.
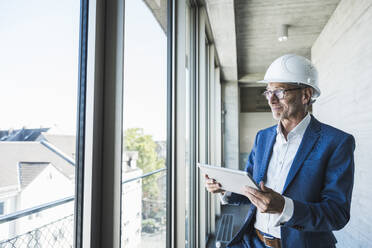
(159,10)
(256,25)
(222,20)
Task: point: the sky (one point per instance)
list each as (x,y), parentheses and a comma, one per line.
(145,78)
(39,66)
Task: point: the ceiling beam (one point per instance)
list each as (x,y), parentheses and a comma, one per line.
(222,19)
(252,78)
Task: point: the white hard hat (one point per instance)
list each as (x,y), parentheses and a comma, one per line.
(291,68)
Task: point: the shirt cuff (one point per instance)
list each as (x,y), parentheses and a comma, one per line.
(224,198)
(287,213)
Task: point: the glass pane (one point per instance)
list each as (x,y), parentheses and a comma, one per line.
(39,76)
(144,124)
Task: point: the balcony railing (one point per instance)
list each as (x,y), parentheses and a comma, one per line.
(144,219)
(59,232)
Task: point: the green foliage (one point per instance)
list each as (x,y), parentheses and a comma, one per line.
(150,225)
(136,140)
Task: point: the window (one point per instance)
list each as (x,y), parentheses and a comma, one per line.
(144,125)
(39,76)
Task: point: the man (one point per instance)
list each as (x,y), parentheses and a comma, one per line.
(305,169)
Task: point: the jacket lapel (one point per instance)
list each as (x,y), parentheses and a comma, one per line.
(308,141)
(267,155)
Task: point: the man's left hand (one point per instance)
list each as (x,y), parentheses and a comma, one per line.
(266,200)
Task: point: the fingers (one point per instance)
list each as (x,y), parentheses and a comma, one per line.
(212,185)
(266,201)
(215,189)
(256,201)
(254,192)
(210,180)
(264,188)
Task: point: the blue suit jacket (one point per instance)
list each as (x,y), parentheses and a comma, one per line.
(320,183)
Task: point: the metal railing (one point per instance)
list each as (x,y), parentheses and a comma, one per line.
(58,233)
(34,210)
(144,175)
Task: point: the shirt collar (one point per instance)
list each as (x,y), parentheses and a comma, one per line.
(298,130)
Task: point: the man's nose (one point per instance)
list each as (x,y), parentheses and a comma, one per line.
(273,99)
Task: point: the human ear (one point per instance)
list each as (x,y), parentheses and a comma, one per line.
(306,96)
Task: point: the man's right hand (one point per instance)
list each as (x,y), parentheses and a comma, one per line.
(212,185)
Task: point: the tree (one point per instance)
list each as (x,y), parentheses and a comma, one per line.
(148,160)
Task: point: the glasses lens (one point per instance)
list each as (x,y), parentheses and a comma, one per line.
(279,93)
(267,94)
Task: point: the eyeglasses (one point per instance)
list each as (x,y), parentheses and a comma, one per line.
(280,93)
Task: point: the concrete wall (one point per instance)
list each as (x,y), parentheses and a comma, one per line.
(230,94)
(343,56)
(249,125)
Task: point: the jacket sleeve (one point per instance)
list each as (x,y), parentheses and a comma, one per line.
(333,210)
(238,199)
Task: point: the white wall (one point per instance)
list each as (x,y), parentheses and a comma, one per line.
(343,56)
(6,229)
(230,92)
(49,186)
(249,125)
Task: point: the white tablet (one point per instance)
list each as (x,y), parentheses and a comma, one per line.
(230,180)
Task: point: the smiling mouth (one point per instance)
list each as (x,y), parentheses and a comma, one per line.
(276,107)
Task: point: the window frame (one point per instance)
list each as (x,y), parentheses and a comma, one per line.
(193,227)
(104,117)
(81,123)
(101,220)
(100,225)
(206,203)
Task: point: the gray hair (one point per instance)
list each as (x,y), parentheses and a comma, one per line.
(303,86)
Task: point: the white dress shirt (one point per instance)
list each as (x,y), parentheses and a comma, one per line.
(280,163)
